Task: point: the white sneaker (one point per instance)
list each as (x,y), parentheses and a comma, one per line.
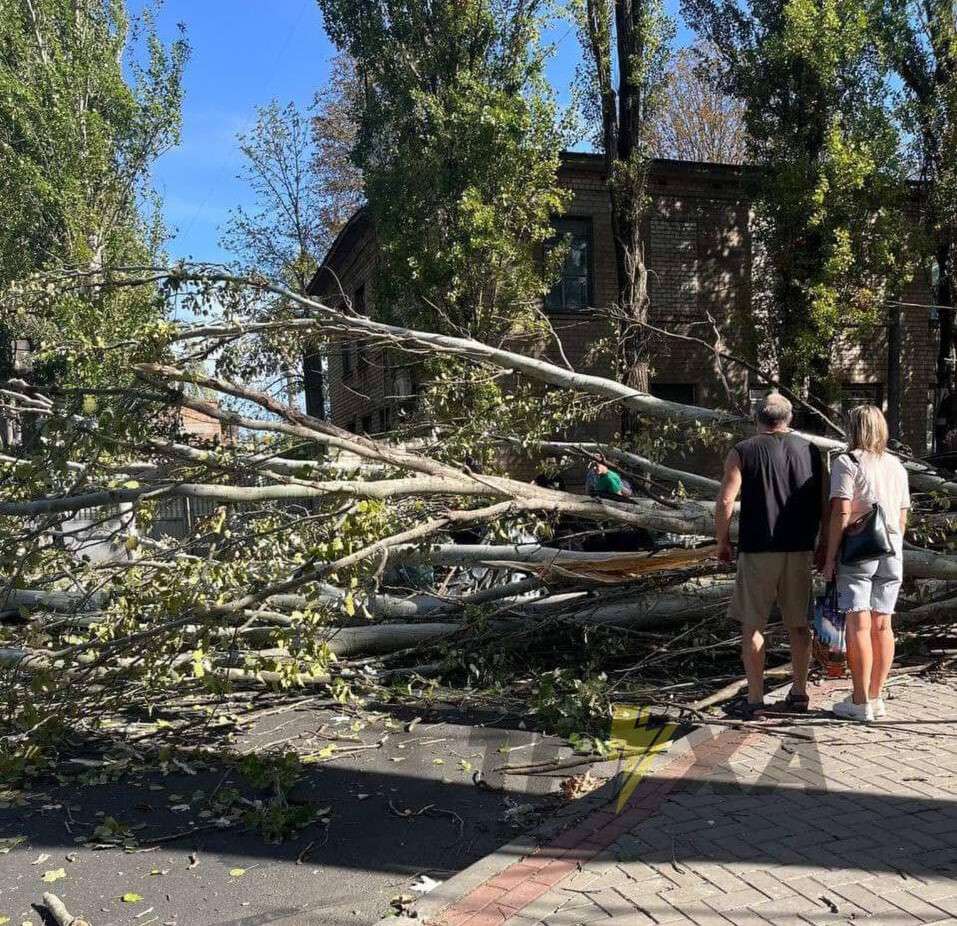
(879,708)
(848,710)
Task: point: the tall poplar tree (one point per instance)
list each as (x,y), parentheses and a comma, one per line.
(458,148)
(920,41)
(88,101)
(625,44)
(832,181)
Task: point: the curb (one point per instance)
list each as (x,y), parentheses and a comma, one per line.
(567,818)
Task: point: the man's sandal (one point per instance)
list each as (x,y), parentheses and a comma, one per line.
(797,704)
(743,709)
(793,704)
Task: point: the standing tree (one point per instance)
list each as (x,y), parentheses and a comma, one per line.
(831,190)
(458,148)
(84,114)
(920,40)
(630,38)
(696,120)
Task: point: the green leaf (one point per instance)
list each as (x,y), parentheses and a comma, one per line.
(54,874)
(236,872)
(131,897)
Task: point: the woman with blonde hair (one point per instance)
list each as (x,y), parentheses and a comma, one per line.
(867,589)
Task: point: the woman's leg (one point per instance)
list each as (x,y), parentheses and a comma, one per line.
(884,591)
(882,648)
(860,657)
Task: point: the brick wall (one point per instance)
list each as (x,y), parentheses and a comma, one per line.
(699,256)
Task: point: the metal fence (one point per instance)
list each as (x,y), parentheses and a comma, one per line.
(176,517)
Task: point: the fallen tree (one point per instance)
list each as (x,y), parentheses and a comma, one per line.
(347,568)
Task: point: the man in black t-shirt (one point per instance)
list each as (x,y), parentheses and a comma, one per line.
(780,478)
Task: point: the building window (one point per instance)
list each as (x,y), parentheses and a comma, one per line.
(348,366)
(353,426)
(683,393)
(367,424)
(361,348)
(854,394)
(314,376)
(385,420)
(572,291)
(402,384)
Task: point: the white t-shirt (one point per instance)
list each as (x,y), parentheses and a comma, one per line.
(877,477)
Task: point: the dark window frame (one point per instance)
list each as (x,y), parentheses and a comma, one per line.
(589,237)
(360,308)
(346,359)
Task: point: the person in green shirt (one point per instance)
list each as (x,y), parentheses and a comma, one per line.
(609,482)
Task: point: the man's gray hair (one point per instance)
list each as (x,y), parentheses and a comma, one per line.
(775,411)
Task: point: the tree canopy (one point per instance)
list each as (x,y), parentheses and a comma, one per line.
(458,147)
(815,91)
(88,100)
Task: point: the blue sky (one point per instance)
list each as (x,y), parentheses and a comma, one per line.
(245,52)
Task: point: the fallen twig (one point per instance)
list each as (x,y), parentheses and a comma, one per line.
(730,691)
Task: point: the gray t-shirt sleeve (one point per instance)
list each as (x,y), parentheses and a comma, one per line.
(843,478)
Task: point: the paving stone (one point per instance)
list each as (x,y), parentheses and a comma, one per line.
(662,912)
(543,907)
(577,917)
(863,897)
(767,884)
(745,918)
(946,904)
(680,896)
(735,900)
(795,904)
(917,907)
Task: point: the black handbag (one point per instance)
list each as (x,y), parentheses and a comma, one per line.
(867,537)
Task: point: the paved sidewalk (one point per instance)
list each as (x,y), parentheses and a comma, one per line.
(854,823)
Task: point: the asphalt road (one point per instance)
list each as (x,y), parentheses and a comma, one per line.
(395,813)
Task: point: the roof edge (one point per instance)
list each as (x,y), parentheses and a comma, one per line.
(351,226)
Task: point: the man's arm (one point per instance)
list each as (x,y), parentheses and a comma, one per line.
(820,554)
(724,505)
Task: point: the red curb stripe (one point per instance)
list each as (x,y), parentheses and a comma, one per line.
(522,895)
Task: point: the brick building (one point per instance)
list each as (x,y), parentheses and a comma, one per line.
(699,254)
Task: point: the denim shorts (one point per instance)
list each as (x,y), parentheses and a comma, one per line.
(873,584)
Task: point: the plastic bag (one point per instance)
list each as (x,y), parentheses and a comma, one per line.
(830,633)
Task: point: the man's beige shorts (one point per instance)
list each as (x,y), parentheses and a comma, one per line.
(766,578)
